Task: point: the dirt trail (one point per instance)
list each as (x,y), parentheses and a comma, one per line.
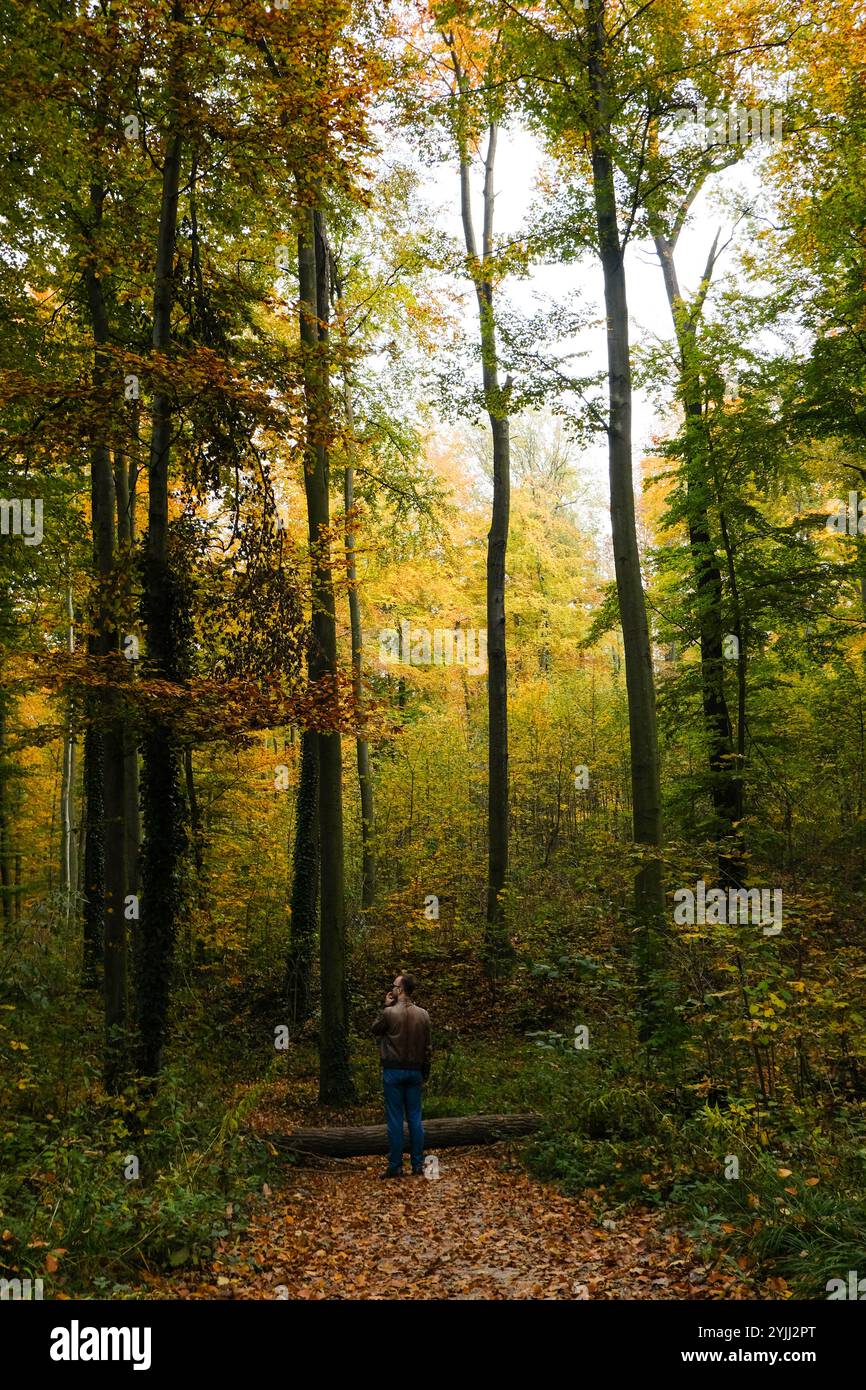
(484,1230)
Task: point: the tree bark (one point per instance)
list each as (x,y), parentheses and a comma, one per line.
(498,950)
(305,886)
(125,491)
(438,1134)
(93,885)
(643,736)
(105,644)
(5,848)
(162,799)
(725,773)
(68,839)
(196,829)
(365,780)
(362,747)
(335,1078)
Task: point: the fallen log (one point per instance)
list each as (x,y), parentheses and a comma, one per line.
(451,1133)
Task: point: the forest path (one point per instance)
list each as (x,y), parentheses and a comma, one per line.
(483,1230)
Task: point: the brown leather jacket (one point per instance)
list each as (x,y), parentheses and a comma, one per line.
(403,1031)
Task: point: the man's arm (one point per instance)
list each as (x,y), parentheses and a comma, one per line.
(428,1051)
(381,1024)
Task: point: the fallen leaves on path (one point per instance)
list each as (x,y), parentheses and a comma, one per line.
(484,1230)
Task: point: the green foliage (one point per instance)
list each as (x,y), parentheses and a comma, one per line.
(70,1209)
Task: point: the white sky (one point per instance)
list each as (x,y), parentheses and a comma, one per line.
(517,163)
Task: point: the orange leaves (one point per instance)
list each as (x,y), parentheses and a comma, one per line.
(482,1232)
(787,1173)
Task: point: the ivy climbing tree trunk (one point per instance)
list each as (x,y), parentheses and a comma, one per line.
(305,886)
(106,705)
(125,478)
(162,798)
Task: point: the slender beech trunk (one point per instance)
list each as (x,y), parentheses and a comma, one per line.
(725,775)
(498,949)
(196,830)
(106,643)
(738,627)
(162,797)
(365,780)
(643,737)
(335,1078)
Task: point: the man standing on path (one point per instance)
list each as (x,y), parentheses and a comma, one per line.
(405,1049)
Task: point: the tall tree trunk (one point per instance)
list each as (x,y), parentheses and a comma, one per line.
(725,775)
(335,1078)
(365,780)
(106,643)
(498,950)
(643,737)
(125,477)
(162,797)
(497,944)
(305,886)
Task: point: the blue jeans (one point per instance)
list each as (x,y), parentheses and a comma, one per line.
(403,1092)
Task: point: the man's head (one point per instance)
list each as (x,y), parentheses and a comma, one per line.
(404,986)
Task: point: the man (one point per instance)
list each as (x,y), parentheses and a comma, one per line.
(405,1049)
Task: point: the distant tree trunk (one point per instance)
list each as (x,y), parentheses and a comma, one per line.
(498,950)
(162,798)
(335,1077)
(68,847)
(643,737)
(365,777)
(738,630)
(106,643)
(195,825)
(93,894)
(5,847)
(68,836)
(305,886)
(725,774)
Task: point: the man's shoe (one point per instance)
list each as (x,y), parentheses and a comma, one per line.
(417,1173)
(388,1174)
